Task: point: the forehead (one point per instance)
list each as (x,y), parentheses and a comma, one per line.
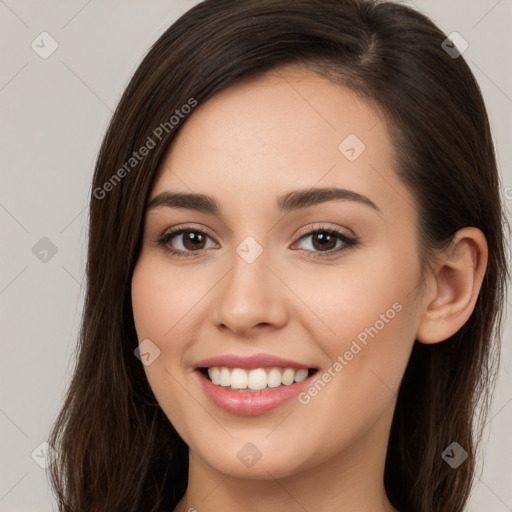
(286,129)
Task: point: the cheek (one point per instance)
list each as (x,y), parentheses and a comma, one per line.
(163,302)
(368,296)
(162,298)
(368,319)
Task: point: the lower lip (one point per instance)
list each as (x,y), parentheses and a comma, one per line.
(250,403)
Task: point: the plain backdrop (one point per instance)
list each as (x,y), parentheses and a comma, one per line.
(54,112)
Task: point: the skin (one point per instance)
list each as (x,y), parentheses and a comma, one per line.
(249,144)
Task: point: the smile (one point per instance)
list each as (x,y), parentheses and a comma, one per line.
(254,385)
(257,379)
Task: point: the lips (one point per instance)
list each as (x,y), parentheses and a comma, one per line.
(250,362)
(254,385)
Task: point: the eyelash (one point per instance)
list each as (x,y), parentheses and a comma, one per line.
(348,241)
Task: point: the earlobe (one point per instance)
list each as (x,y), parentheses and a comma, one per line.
(456,283)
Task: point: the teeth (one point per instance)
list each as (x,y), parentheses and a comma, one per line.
(274,378)
(288,376)
(301,374)
(214,374)
(225,377)
(239,379)
(255,380)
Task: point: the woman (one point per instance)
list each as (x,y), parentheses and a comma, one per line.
(295,272)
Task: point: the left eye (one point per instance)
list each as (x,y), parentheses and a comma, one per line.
(325,240)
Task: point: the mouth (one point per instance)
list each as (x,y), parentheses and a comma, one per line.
(250,386)
(258,379)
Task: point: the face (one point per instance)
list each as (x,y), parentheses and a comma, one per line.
(281,326)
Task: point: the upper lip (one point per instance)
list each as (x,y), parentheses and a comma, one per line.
(250,362)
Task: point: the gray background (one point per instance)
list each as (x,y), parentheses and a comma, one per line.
(53,115)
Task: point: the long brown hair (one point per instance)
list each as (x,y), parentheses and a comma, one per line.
(115,448)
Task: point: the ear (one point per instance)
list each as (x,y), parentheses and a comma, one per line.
(453,286)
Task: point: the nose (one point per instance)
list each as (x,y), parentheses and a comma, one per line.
(250,298)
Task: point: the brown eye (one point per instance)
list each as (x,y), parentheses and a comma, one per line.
(185,241)
(192,240)
(326,241)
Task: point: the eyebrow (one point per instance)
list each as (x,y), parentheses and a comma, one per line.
(290,201)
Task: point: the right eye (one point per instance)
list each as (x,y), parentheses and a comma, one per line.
(191,240)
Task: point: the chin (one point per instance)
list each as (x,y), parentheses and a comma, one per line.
(258,460)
